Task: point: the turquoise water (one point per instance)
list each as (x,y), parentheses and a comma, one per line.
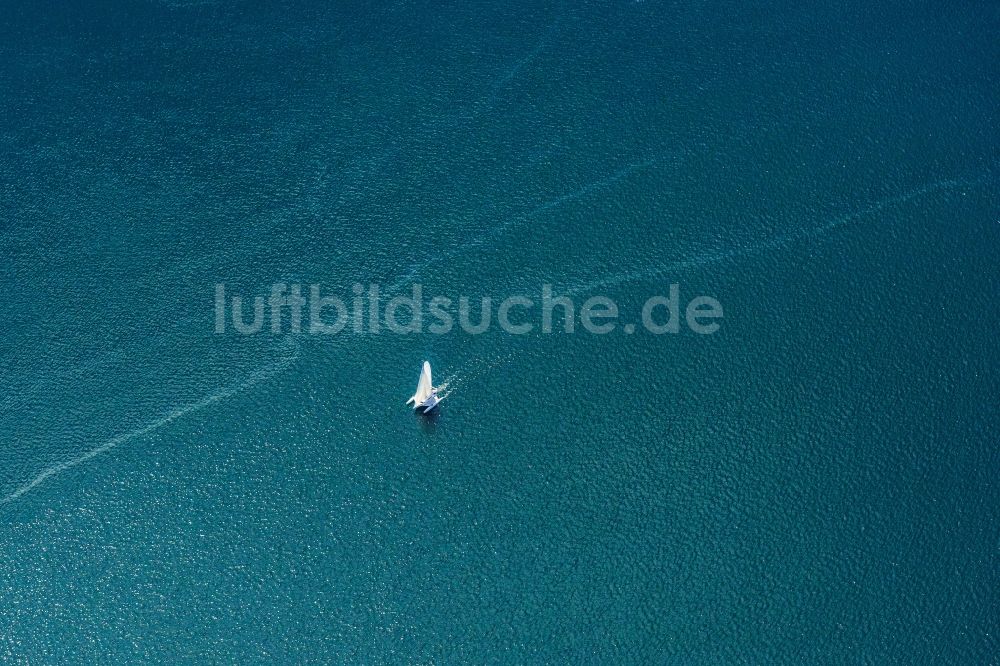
(815,483)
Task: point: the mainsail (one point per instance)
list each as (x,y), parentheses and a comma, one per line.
(424,386)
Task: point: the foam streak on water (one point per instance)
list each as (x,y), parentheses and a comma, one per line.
(495,231)
(226,392)
(499,84)
(780,240)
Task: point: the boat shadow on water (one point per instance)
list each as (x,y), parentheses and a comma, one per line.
(428,422)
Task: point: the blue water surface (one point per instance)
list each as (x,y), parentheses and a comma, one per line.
(816,482)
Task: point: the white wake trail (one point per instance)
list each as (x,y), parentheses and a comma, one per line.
(501,228)
(778,241)
(229,391)
(512,73)
(443,389)
(471,371)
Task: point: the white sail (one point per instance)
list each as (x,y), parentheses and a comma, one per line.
(425,388)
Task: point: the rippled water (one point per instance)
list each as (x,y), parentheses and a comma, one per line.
(816,482)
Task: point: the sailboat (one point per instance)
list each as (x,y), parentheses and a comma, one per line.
(426,396)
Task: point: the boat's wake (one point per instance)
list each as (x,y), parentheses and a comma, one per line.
(293,350)
(510,74)
(469,372)
(781,240)
(494,231)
